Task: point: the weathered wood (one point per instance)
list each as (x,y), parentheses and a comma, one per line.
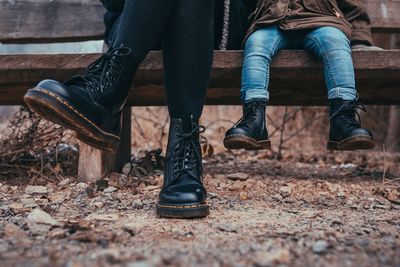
(95,163)
(297,77)
(62,20)
(384,15)
(50,21)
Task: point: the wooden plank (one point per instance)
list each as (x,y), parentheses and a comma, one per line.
(71,20)
(384,15)
(95,163)
(50,21)
(377,74)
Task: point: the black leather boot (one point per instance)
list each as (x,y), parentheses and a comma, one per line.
(250,132)
(89,104)
(346,132)
(183,194)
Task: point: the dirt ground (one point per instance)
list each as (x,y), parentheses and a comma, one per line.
(331,209)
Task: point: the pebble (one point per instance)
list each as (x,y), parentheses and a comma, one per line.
(137,204)
(133,228)
(285,191)
(240,176)
(243,196)
(227,227)
(274,257)
(35,189)
(320,246)
(57,233)
(81,186)
(64,182)
(112,217)
(110,189)
(12,230)
(40,217)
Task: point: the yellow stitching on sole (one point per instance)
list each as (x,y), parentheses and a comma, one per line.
(184,207)
(59,99)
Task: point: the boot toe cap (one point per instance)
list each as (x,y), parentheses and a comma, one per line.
(360,132)
(236,131)
(183,195)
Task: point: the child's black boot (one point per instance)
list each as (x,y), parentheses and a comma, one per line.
(250,132)
(346,132)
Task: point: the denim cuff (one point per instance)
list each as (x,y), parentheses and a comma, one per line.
(343,93)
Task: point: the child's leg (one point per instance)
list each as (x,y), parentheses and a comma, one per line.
(250,131)
(259,50)
(332,47)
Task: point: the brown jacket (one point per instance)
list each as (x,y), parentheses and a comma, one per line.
(350,16)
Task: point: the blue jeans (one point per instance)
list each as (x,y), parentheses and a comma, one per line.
(329,44)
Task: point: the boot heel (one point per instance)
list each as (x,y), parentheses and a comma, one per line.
(352,143)
(332,145)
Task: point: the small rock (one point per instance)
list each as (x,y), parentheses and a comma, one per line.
(102,217)
(16,206)
(243,195)
(110,189)
(64,182)
(111,254)
(240,176)
(40,217)
(133,228)
(238,186)
(58,197)
(11,230)
(36,189)
(227,227)
(138,204)
(285,191)
(57,233)
(274,257)
(320,247)
(81,186)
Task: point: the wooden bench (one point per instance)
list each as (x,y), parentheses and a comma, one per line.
(38,21)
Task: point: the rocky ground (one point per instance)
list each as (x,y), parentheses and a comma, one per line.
(305,210)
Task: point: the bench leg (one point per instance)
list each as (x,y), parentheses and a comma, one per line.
(95,163)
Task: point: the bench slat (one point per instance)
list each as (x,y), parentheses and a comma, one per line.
(72,20)
(297,77)
(50,21)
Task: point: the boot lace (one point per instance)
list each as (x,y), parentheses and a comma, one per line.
(347,113)
(250,115)
(187,157)
(101,74)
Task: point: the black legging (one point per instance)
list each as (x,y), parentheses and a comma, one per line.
(186,28)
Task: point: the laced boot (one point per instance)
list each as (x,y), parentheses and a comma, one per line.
(250,132)
(89,104)
(346,132)
(183,194)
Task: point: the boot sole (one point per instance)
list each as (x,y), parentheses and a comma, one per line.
(245,142)
(57,110)
(183,212)
(361,142)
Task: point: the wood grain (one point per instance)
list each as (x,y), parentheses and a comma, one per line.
(72,20)
(296,77)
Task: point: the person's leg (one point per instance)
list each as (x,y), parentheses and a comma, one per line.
(188,52)
(332,47)
(91,105)
(259,50)
(250,131)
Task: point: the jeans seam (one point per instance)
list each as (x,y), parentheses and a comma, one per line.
(331,76)
(272,53)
